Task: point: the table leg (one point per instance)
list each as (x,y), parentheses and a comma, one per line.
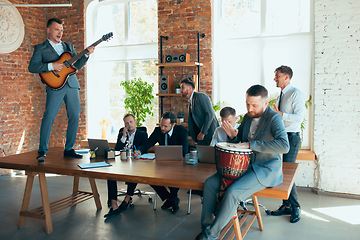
(76,184)
(258,213)
(26,199)
(45,203)
(95,193)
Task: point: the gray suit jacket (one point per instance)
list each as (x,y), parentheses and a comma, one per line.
(202,114)
(45,53)
(270,142)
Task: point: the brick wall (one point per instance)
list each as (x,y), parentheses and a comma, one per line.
(337,109)
(181,20)
(22,95)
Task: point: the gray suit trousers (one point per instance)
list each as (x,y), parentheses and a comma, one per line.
(54,100)
(238,191)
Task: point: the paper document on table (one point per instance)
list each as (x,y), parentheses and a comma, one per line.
(147,156)
(82,150)
(94,165)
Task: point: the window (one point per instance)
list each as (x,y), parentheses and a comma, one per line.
(254,37)
(131,53)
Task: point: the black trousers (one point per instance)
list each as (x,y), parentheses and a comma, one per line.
(294,141)
(163,192)
(112,189)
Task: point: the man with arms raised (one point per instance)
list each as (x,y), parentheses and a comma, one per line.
(262,130)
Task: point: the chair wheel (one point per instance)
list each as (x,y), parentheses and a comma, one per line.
(268,212)
(150,200)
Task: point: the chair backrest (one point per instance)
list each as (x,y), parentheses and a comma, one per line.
(142,128)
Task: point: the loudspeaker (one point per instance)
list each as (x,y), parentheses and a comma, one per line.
(177,58)
(195,79)
(166,84)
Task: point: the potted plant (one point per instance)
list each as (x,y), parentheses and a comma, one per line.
(180,117)
(139,97)
(177,87)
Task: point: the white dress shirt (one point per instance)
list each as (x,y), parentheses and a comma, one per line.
(59,48)
(292,107)
(254,125)
(220,135)
(130,140)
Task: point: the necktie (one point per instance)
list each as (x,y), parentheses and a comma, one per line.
(281,93)
(166,139)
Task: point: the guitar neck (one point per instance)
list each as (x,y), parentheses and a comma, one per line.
(83,52)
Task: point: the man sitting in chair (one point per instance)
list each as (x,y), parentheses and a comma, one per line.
(167,134)
(129,137)
(262,130)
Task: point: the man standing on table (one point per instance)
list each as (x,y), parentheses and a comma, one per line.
(291,105)
(202,120)
(50,51)
(262,130)
(167,134)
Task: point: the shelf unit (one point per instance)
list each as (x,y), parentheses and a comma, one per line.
(162,65)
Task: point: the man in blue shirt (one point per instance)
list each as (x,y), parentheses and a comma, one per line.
(291,105)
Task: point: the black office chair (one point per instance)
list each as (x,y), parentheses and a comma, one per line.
(138,192)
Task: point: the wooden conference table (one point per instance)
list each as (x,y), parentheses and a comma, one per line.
(163,173)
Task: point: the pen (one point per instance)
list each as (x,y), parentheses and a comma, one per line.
(135,149)
(96,149)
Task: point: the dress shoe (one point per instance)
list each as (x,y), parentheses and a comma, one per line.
(281,211)
(295,215)
(41,156)
(72,154)
(175,205)
(112,212)
(124,205)
(198,237)
(167,204)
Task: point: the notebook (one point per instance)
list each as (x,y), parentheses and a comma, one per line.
(171,152)
(206,154)
(94,165)
(101,144)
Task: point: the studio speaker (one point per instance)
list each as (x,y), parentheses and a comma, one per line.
(195,79)
(166,84)
(177,58)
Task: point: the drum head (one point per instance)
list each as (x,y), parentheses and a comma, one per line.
(225,146)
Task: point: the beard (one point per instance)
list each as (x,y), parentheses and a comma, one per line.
(255,114)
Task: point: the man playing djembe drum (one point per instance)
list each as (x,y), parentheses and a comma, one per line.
(262,131)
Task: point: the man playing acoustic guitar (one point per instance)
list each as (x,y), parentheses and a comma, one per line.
(43,61)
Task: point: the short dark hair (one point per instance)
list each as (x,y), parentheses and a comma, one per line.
(171,116)
(227,111)
(51,20)
(129,115)
(188,81)
(286,70)
(257,90)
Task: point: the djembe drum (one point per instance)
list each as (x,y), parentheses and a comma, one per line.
(231,164)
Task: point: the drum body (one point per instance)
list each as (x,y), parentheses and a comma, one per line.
(231,163)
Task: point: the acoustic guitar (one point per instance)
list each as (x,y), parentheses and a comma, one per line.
(56,80)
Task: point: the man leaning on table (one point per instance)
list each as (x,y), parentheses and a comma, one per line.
(167,134)
(291,105)
(129,136)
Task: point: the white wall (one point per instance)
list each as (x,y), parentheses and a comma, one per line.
(337,100)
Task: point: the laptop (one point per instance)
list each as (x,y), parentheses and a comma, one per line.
(101,144)
(206,154)
(171,152)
